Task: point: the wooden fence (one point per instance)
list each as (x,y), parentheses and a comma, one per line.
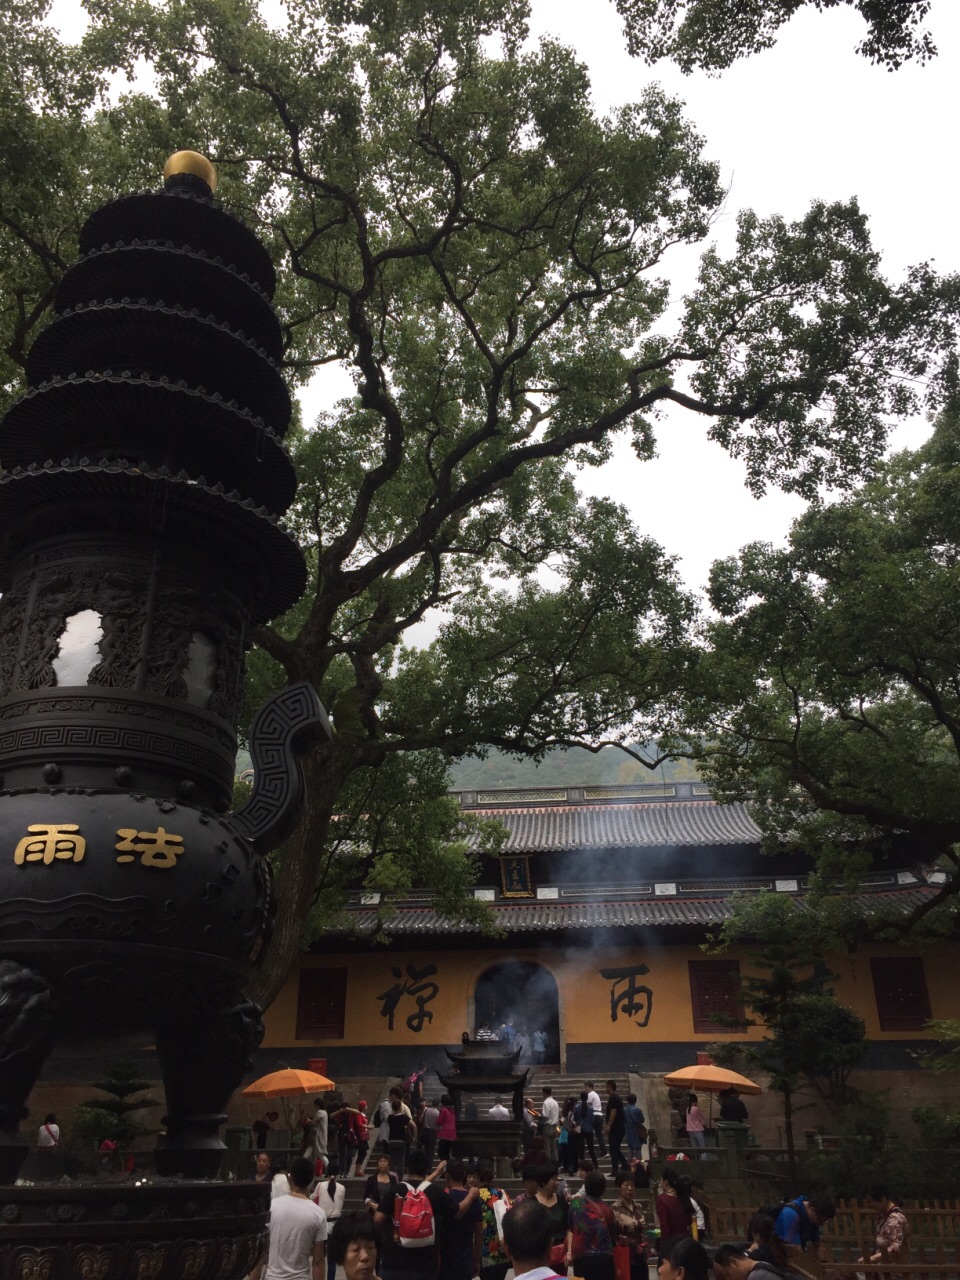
(933,1245)
(930,1220)
(924,1263)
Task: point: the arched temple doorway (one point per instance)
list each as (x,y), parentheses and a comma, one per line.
(523,994)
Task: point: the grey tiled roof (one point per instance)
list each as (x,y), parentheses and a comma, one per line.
(623,826)
(531,916)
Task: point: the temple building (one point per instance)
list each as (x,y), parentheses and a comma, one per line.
(604,896)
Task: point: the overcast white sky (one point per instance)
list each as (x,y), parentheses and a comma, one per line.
(808,118)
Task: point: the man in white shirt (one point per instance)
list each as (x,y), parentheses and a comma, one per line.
(298,1229)
(550,1122)
(498,1111)
(596,1106)
(527,1235)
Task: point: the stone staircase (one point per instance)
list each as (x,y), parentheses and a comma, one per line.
(562,1084)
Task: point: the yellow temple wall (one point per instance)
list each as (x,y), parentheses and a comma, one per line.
(585,995)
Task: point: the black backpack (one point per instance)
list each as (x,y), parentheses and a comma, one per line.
(773,1210)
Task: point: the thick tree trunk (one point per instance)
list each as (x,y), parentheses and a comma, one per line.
(296,880)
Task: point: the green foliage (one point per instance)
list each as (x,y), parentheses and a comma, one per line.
(937,1128)
(828,697)
(916,1173)
(811,925)
(458,229)
(866,1122)
(946,1057)
(539,667)
(113,1116)
(713,34)
(810,1039)
(400,829)
(830,1042)
(863,1152)
(867,1152)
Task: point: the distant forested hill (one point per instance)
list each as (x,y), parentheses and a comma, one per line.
(563,767)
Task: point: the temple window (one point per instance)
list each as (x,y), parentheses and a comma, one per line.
(78,652)
(321,1004)
(715,989)
(900,986)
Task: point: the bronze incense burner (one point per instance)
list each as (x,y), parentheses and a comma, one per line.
(144,477)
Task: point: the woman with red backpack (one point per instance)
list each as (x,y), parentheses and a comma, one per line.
(353,1137)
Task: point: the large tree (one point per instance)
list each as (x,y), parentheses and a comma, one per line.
(484,254)
(830,691)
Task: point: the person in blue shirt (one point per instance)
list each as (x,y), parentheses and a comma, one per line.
(634,1120)
(799,1221)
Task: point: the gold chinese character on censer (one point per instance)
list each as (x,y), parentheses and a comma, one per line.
(156,848)
(50,841)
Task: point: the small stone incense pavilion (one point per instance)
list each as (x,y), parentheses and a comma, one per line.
(143,479)
(485,1066)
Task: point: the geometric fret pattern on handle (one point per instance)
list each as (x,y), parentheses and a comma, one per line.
(286,726)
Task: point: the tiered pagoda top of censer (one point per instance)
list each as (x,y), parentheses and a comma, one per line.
(144,475)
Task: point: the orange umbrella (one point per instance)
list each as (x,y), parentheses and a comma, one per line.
(281,1084)
(711,1080)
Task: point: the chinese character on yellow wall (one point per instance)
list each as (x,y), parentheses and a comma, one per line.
(156,848)
(50,841)
(627,995)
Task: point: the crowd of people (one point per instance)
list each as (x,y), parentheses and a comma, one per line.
(581,1127)
(469,1212)
(412,1138)
(595,1231)
(332,1131)
(585,1127)
(336,1131)
(474,1230)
